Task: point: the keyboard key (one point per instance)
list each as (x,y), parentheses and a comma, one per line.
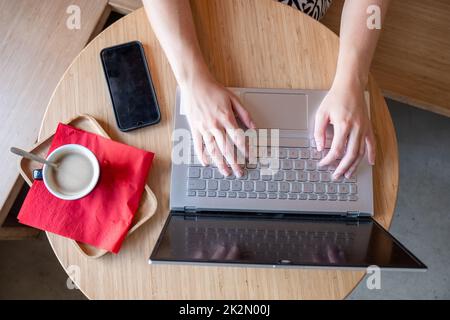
(308,187)
(311,165)
(252,195)
(342,197)
(312,196)
(266,177)
(262,196)
(282,196)
(299,164)
(201,193)
(353,189)
(325,177)
(302,176)
(207,173)
(231,194)
(253,174)
(317,155)
(303,196)
(231,177)
(292,196)
(304,153)
(248,186)
(212,194)
(319,188)
(293,154)
(313,176)
(296,187)
(242,195)
(331,188)
(352,179)
(194,172)
(222,194)
(251,165)
(191,193)
(224,185)
(343,189)
(272,195)
(278,176)
(272,186)
(284,187)
(353,197)
(217,174)
(236,185)
(332,197)
(212,184)
(260,186)
(322,197)
(290,175)
(286,164)
(196,184)
(282,153)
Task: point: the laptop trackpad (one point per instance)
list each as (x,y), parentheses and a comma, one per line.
(277,110)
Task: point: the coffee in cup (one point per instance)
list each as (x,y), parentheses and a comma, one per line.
(76,174)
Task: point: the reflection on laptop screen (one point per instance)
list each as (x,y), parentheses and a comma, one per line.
(295,241)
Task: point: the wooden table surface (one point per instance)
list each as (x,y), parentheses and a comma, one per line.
(36,48)
(247,43)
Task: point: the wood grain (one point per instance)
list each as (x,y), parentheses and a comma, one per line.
(412,62)
(36,47)
(281,48)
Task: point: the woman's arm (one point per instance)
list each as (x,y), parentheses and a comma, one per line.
(345,107)
(211,108)
(173,25)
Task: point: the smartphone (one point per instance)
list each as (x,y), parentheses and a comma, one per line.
(130,86)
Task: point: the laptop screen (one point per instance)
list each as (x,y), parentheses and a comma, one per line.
(274,240)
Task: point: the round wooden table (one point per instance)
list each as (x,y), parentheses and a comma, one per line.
(267,44)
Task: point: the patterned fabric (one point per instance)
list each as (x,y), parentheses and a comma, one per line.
(313,8)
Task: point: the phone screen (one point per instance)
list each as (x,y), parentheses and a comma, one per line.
(130,85)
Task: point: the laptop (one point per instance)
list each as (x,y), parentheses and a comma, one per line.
(285,212)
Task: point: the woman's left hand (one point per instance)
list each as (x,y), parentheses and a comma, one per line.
(345,108)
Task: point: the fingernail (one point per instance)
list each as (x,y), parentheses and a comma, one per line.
(348,175)
(319,147)
(252,125)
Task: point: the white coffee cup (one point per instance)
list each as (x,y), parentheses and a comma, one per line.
(77,173)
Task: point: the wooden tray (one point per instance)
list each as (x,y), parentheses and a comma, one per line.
(148,203)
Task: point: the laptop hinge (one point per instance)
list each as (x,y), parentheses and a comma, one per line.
(190,210)
(353,214)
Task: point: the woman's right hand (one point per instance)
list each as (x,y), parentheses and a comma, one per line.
(211,111)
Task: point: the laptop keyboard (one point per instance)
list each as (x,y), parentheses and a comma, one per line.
(298,177)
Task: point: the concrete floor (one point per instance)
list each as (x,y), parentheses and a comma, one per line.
(30,270)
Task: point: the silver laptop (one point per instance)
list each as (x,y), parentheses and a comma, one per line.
(283,212)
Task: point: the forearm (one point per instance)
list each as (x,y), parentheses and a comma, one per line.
(174,27)
(357,42)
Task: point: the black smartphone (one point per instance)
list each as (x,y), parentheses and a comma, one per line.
(130,85)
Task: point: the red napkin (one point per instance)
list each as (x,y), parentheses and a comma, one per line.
(104,216)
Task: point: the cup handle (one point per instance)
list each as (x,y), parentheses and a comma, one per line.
(37,174)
